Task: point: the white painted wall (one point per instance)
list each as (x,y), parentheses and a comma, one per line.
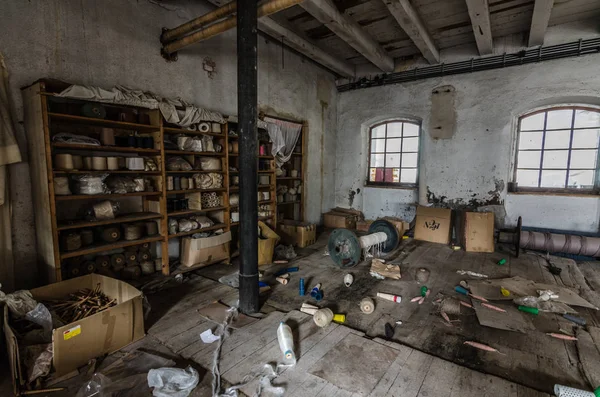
(112,42)
(478,158)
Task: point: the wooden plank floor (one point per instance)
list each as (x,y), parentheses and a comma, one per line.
(532,359)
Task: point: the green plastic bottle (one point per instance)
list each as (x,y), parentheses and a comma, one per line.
(501,262)
(423,290)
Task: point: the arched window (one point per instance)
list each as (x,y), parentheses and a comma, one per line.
(557,149)
(394,153)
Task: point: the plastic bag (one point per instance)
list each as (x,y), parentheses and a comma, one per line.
(173,382)
(178,164)
(203,221)
(210,164)
(102,211)
(190,144)
(122,184)
(173,226)
(150,164)
(90,184)
(95,387)
(207,143)
(38,361)
(185,225)
(19,302)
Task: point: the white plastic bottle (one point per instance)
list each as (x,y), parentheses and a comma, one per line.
(286,343)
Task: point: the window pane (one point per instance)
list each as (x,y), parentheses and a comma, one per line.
(378,174)
(378,132)
(394,130)
(586,118)
(409,160)
(393,145)
(535,122)
(377,160)
(395,175)
(529,159)
(558,119)
(411,129)
(582,179)
(392,160)
(410,145)
(372,174)
(389,175)
(377,145)
(555,159)
(408,175)
(583,139)
(583,158)
(553,178)
(557,139)
(530,140)
(527,178)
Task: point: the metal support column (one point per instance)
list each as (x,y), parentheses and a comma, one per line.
(247,113)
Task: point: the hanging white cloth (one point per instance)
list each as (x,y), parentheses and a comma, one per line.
(284,135)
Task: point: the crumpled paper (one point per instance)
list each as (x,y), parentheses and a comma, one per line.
(381,270)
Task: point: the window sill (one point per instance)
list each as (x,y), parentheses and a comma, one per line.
(391,187)
(549,193)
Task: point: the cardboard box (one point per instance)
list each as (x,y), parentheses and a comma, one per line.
(208,250)
(433,224)
(297,233)
(363,226)
(76,343)
(401,226)
(479,232)
(339,220)
(266,246)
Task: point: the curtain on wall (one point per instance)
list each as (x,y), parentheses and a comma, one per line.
(9,154)
(284,135)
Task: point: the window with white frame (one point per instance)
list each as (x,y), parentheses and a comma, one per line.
(394,153)
(557,149)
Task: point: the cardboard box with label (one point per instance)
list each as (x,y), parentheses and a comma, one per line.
(479,232)
(207,250)
(433,224)
(297,233)
(74,344)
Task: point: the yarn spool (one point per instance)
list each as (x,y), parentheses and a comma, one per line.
(70,241)
(122,162)
(112,163)
(135,163)
(191,183)
(102,262)
(204,127)
(264,179)
(99,163)
(144,256)
(107,137)
(176,183)
(77,162)
(63,162)
(74,270)
(147,267)
(61,186)
(422,275)
(151,228)
(110,234)
(144,246)
(185,183)
(87,163)
(117,261)
(294,173)
(88,267)
(103,210)
(323,317)
(131,258)
(234,199)
(216,128)
(235,147)
(131,273)
(87,237)
(132,232)
(170,183)
(367,305)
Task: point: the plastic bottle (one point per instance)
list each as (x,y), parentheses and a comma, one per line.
(286,343)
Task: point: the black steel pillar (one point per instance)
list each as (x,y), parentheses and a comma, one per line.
(247,113)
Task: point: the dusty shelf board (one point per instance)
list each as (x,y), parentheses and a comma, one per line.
(134,217)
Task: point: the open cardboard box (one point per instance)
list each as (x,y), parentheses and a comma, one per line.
(297,233)
(74,344)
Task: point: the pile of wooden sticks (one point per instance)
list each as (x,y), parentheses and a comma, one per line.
(81,304)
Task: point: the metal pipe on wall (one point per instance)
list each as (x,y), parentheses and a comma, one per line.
(197,23)
(247,58)
(266,8)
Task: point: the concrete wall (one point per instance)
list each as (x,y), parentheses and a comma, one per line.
(112,42)
(475,165)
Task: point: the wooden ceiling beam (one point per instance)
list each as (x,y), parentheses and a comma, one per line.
(539,21)
(410,21)
(479,12)
(350,31)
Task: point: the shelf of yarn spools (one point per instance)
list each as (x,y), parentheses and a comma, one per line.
(260,157)
(94,248)
(195,172)
(259,171)
(125,218)
(204,229)
(259,202)
(220,189)
(260,218)
(103,196)
(237,188)
(114,149)
(102,122)
(96,172)
(289,178)
(190,212)
(289,202)
(178,131)
(190,153)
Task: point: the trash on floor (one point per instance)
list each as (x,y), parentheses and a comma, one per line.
(389,297)
(286,343)
(481,346)
(382,270)
(173,382)
(348,280)
(367,305)
(470,273)
(316,292)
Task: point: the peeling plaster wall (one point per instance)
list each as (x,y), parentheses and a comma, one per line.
(113,42)
(472,168)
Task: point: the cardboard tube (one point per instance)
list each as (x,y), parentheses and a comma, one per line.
(390,297)
(309,310)
(204,127)
(282,280)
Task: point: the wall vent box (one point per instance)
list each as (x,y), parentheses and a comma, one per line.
(76,343)
(479,232)
(433,224)
(339,220)
(195,251)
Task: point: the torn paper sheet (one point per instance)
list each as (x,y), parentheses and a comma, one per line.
(208,336)
(381,270)
(472,274)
